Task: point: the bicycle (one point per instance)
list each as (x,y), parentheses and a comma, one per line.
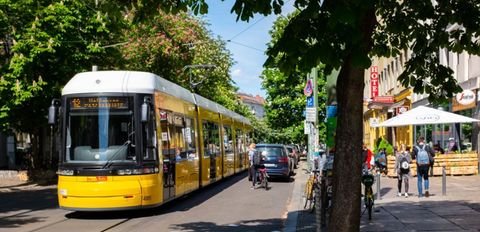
(368,180)
(312,188)
(263,177)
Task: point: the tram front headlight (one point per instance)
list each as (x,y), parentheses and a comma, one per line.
(137,171)
(65,172)
(63,192)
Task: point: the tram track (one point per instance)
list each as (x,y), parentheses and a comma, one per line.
(51,220)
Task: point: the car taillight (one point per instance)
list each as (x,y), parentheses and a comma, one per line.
(283,159)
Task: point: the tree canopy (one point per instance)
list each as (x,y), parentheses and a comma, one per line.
(46,42)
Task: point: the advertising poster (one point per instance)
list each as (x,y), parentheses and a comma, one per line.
(332,108)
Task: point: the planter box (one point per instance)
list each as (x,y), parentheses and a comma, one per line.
(455,164)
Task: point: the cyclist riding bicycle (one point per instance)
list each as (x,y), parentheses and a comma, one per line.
(256,161)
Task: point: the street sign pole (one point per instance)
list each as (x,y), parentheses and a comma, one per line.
(316,142)
(311,116)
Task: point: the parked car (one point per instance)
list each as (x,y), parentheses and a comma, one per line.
(277,162)
(292,153)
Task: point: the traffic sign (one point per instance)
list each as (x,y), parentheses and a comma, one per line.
(311,115)
(310,101)
(308,90)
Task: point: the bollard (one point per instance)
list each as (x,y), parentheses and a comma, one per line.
(378,187)
(444,181)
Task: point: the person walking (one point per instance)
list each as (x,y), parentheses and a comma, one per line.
(402,168)
(423,154)
(251,154)
(367,158)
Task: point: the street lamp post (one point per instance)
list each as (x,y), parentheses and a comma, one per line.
(193,83)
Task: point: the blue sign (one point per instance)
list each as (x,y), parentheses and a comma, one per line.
(310,101)
(331,111)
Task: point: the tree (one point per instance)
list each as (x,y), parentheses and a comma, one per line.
(170,42)
(346,34)
(286,101)
(49,42)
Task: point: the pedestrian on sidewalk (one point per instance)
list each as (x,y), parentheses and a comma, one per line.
(402,168)
(253,157)
(367,158)
(423,154)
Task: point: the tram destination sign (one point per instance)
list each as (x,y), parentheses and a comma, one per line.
(78,103)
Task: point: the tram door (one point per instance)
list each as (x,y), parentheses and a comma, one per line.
(168,153)
(211,141)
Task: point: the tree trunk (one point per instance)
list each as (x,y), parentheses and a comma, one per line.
(349,135)
(347,163)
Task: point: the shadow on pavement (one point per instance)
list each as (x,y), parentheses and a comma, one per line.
(274,224)
(438,215)
(16,206)
(19,221)
(28,199)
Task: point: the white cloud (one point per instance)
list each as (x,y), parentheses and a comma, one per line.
(236,73)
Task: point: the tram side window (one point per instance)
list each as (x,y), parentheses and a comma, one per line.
(211,138)
(178,135)
(205,131)
(227,140)
(165,136)
(216,139)
(249,139)
(239,146)
(189,134)
(174,137)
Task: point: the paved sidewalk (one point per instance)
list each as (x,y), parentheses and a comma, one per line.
(458,210)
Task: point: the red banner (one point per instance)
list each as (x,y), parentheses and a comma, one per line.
(374,81)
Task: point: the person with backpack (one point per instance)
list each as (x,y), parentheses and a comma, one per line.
(256,161)
(381,160)
(402,168)
(423,154)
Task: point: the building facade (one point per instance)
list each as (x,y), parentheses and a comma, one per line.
(256,103)
(386,98)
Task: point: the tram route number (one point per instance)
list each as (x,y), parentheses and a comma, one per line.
(95,102)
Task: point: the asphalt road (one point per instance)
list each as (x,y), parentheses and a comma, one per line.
(226,206)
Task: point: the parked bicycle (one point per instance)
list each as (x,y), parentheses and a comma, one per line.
(368,179)
(312,188)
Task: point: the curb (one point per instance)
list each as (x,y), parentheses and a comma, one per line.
(295,206)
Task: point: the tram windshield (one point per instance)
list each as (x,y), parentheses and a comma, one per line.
(100,129)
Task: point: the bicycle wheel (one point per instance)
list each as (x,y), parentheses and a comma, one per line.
(308,193)
(311,207)
(369,207)
(315,194)
(266,182)
(369,202)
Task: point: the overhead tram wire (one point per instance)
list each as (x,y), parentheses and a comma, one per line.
(253,24)
(244,45)
(243,31)
(246,29)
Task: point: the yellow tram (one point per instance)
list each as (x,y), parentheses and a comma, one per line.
(133,140)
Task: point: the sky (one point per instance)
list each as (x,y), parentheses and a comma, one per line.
(248,42)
